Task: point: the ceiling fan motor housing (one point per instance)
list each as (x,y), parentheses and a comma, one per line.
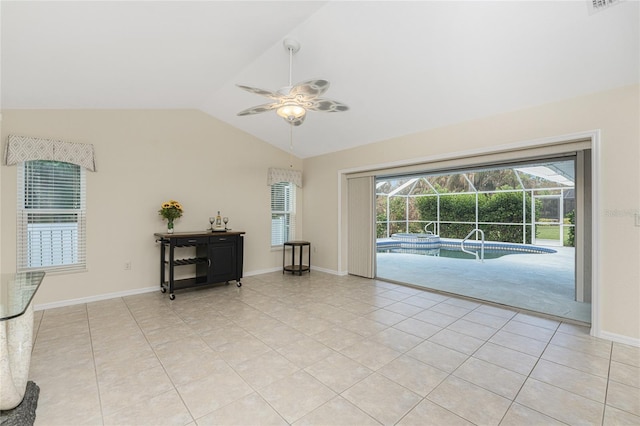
(291,45)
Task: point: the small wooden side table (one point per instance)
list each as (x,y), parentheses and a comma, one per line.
(299,267)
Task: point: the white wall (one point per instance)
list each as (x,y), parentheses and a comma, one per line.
(144,158)
(616,113)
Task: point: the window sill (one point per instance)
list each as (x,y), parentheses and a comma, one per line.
(58,271)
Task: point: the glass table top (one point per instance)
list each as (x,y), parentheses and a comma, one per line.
(16,292)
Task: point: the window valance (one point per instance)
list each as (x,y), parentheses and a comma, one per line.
(284,175)
(25,148)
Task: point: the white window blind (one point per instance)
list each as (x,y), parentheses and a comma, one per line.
(51,216)
(283,205)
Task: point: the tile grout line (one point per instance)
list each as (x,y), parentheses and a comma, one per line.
(529,377)
(254,390)
(606,390)
(93,362)
(155,354)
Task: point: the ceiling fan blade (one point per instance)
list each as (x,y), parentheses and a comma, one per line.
(310,88)
(259,108)
(326,105)
(262,92)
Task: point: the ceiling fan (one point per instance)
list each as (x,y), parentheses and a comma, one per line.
(293,101)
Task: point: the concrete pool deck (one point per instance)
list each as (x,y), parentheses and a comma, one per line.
(538,282)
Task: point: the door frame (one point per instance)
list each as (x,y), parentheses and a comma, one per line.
(591,137)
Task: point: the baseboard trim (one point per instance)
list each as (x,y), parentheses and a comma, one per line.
(262,271)
(326,271)
(618,338)
(98,298)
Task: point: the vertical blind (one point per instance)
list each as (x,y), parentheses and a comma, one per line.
(51,216)
(361,225)
(283,204)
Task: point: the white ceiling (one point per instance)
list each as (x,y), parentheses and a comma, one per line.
(402,67)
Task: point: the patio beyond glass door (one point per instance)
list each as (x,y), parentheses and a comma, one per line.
(527,212)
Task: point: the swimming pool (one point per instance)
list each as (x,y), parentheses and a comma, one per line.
(443,252)
(433,245)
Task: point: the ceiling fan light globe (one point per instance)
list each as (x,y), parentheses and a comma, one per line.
(291,112)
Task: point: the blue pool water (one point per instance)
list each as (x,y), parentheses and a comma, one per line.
(425,245)
(451,253)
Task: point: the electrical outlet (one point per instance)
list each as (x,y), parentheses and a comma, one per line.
(637,216)
(127,266)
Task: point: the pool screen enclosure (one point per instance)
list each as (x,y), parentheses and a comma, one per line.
(523,203)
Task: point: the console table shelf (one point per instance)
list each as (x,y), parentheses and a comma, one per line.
(183,283)
(218,259)
(191,261)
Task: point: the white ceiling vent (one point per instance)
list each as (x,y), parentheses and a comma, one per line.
(598,5)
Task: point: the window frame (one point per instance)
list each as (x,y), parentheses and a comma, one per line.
(65,247)
(287,193)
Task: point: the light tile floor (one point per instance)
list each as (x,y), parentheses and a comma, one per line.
(327,350)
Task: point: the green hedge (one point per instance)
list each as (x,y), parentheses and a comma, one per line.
(503,207)
(571,238)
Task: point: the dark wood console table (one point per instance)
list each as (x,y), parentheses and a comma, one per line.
(218,259)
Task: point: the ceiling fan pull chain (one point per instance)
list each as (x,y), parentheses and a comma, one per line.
(291,138)
(291,145)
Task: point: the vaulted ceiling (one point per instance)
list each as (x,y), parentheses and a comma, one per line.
(402,67)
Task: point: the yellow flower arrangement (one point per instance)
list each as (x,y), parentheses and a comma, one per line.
(171,210)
